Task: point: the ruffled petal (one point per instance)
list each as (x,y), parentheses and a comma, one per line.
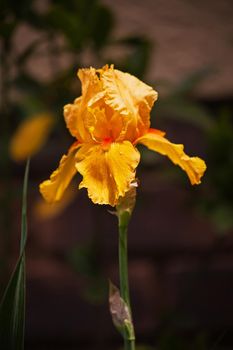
(97,124)
(71,116)
(91,84)
(76,114)
(193,166)
(30,136)
(52,190)
(107,171)
(131,98)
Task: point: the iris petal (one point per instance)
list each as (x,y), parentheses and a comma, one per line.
(131,98)
(52,190)
(107,172)
(76,114)
(193,166)
(97,124)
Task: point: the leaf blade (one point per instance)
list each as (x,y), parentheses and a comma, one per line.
(12,307)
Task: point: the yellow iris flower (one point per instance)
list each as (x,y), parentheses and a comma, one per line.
(110,118)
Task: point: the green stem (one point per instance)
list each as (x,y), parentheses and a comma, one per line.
(124,217)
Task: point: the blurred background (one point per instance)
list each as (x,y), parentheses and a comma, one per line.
(180,237)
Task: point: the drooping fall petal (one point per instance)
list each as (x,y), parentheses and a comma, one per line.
(193,166)
(131,98)
(30,136)
(52,190)
(107,171)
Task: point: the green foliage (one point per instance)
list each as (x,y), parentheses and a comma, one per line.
(12,308)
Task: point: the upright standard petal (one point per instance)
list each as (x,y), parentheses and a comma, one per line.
(107,170)
(52,190)
(76,114)
(97,124)
(91,84)
(193,166)
(131,98)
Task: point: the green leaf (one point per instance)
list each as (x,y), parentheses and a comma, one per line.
(12,308)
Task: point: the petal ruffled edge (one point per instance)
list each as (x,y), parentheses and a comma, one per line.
(52,190)
(107,173)
(193,166)
(75,113)
(124,92)
(131,98)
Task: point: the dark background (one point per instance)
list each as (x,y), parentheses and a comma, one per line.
(180,237)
